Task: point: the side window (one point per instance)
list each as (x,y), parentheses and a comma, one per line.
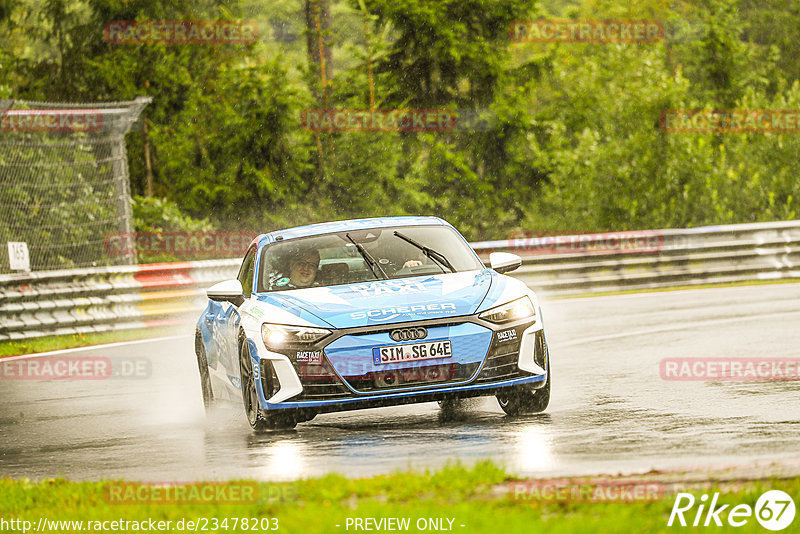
(246,272)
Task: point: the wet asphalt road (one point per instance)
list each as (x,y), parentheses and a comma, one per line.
(610,412)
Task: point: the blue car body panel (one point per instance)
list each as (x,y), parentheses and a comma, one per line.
(389,301)
(294,305)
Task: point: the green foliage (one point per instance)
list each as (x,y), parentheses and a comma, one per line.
(5,74)
(244,157)
(156,221)
(153,214)
(447,51)
(611,166)
(573,139)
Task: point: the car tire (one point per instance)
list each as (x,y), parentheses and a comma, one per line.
(523,399)
(259,421)
(205,378)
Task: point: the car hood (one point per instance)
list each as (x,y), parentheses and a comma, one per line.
(391,301)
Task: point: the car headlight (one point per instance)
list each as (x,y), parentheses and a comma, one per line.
(512,311)
(278,336)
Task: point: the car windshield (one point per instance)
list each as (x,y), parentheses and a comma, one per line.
(364,255)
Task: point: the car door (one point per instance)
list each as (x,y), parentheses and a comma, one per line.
(229,320)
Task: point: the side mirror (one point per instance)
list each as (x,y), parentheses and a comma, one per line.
(227,291)
(504,262)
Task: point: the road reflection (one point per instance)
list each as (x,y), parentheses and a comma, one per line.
(533,447)
(465,433)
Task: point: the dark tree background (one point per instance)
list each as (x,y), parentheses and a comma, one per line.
(566,135)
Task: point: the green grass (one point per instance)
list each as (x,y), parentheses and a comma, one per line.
(48,343)
(470,496)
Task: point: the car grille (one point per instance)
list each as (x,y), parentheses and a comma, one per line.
(412,377)
(501,362)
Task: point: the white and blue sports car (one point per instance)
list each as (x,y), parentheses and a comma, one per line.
(371,312)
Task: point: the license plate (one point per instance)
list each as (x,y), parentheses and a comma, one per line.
(430,350)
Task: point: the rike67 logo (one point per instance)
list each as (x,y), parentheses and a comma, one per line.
(774,510)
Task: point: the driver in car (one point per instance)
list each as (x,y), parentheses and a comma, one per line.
(303,269)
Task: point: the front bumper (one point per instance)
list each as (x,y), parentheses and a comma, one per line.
(408,397)
(514,354)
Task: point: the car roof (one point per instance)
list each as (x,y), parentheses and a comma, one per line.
(348,226)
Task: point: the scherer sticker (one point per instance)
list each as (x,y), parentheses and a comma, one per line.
(387,314)
(388,287)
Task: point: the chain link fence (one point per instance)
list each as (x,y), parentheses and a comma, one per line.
(64,186)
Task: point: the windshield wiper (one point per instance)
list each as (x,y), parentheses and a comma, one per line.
(368,258)
(438,257)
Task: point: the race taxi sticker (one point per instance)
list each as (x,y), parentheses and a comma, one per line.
(309,356)
(506,335)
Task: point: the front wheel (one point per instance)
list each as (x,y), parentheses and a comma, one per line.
(522,399)
(257,419)
(205,378)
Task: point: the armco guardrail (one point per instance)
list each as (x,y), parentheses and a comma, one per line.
(115,298)
(106,298)
(655,258)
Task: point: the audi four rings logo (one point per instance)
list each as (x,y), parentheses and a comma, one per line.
(408,334)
